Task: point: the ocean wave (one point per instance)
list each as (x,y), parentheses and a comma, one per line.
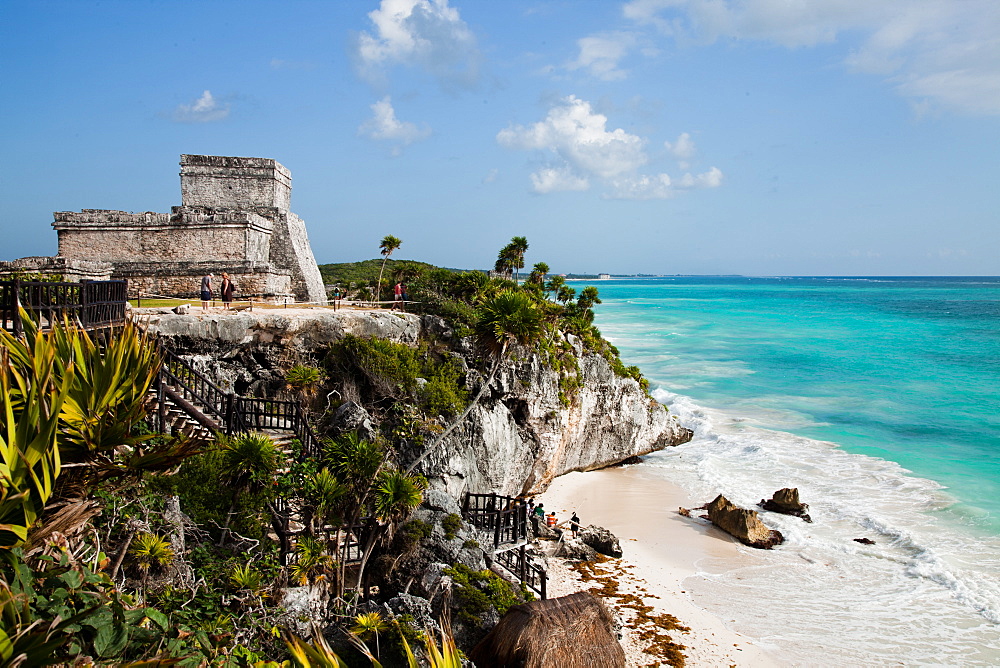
(927,569)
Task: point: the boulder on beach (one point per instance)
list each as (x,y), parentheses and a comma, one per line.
(743,524)
(575,549)
(601,540)
(786,501)
(571,632)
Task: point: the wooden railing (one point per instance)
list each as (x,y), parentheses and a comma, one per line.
(519,564)
(506,518)
(90,305)
(229,412)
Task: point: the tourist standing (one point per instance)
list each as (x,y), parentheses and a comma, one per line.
(397,291)
(574,524)
(206,291)
(226,290)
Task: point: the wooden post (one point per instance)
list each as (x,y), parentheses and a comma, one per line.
(230,409)
(18,328)
(524,565)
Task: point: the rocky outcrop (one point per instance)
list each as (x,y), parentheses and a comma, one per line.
(522,435)
(303,330)
(742,524)
(601,540)
(786,501)
(527,429)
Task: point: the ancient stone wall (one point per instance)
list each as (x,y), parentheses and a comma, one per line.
(290,248)
(234,217)
(234,183)
(185,235)
(71,271)
(184,280)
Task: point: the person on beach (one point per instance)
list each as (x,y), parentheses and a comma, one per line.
(574,524)
(226,291)
(206,291)
(550,520)
(540,510)
(531,505)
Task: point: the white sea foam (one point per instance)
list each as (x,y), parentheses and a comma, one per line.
(926,592)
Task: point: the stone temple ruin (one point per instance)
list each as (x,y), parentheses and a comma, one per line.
(234,217)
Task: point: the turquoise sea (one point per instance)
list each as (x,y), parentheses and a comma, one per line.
(878,398)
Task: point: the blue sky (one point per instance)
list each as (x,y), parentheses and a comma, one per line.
(763,137)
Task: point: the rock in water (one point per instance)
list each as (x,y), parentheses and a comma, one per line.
(743,524)
(786,501)
(864,541)
(601,540)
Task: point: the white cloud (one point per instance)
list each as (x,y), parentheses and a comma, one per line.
(580,137)
(578,143)
(601,54)
(554,179)
(710,179)
(943,51)
(427,33)
(642,187)
(203,110)
(384,125)
(682,149)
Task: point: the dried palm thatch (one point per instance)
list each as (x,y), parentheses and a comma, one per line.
(571,632)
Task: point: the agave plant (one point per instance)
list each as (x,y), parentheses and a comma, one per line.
(303,380)
(247,578)
(150,550)
(368,625)
(313,560)
(34,386)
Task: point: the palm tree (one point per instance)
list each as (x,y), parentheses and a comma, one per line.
(588,297)
(506,259)
(509,318)
(356,464)
(388,245)
(249,462)
(397,494)
(518,247)
(554,284)
(538,272)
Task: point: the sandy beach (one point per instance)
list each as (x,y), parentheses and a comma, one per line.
(661,549)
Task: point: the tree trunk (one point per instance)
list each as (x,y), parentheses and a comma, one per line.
(376,530)
(175,519)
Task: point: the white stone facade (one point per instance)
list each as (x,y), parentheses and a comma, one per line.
(234,217)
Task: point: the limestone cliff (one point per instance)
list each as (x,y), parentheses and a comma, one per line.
(521,436)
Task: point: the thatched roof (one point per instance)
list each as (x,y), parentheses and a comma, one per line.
(570,632)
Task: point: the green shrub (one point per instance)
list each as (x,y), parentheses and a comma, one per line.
(451,524)
(442,394)
(478,591)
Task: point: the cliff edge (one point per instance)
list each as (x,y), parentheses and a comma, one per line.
(529,427)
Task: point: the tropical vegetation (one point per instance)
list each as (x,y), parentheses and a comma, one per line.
(119,544)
